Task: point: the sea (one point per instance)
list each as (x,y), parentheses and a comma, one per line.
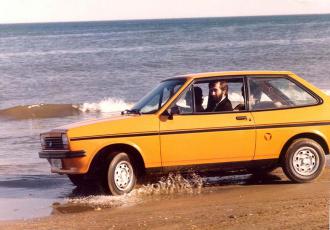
(53,74)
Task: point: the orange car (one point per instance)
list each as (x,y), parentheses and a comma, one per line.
(208,122)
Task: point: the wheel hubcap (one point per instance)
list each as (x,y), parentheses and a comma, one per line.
(306,161)
(123,175)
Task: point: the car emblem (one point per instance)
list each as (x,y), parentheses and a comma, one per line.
(50,144)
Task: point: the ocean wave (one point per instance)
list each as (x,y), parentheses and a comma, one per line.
(76,51)
(108,105)
(39,111)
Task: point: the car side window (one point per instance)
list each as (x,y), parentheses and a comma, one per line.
(276,93)
(219,95)
(166,95)
(159,96)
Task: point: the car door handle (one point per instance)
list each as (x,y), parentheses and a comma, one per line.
(241,118)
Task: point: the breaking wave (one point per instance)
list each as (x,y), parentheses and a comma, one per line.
(39,111)
(108,105)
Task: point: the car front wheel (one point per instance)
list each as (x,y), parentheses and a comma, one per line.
(78,180)
(304,161)
(121,176)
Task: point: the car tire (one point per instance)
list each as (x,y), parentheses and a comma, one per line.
(304,161)
(120,174)
(78,179)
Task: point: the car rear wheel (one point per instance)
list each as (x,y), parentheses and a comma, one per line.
(121,176)
(304,161)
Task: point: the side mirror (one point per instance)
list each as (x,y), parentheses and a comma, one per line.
(170,112)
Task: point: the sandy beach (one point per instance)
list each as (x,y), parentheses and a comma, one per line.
(270,202)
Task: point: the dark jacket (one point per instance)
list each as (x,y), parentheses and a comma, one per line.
(224,105)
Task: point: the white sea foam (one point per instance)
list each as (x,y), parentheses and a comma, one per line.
(106,105)
(34,106)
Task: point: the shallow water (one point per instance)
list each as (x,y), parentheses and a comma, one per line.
(58,73)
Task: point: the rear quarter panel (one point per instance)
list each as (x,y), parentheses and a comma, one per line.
(287,123)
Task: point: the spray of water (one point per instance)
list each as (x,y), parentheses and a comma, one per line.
(173,184)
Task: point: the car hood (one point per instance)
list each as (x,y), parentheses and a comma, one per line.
(92,122)
(118,124)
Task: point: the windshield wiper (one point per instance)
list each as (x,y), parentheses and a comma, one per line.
(131,111)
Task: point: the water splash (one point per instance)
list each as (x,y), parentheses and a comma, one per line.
(173,184)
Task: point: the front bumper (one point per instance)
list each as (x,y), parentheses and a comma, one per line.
(61,154)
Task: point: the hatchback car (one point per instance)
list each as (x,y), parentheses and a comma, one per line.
(252,121)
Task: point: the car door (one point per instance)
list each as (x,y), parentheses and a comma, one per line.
(194,138)
(281,108)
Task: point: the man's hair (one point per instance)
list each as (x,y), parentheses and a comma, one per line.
(223,86)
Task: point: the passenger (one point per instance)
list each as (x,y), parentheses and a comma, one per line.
(198,93)
(218,97)
(259,104)
(241,106)
(255,95)
(198,99)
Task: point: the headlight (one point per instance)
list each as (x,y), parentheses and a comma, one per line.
(54,141)
(65,140)
(42,140)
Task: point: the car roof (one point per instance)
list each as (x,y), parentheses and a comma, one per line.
(232,74)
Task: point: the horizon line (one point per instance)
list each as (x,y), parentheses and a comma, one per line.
(156,19)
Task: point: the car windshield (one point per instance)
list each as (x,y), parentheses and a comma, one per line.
(154,100)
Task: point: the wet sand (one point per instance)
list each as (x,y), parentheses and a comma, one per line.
(243,202)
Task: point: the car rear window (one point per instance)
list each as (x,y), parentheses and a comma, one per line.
(276,93)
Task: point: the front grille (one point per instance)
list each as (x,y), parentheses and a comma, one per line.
(53,143)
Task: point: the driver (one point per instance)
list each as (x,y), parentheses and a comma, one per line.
(218,97)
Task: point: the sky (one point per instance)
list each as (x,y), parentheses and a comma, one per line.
(25,11)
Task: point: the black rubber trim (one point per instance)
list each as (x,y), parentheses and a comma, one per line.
(236,128)
(61,154)
(208,130)
(293,125)
(115,136)
(216,167)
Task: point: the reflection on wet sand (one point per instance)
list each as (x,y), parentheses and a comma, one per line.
(248,179)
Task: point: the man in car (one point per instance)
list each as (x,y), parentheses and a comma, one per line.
(241,106)
(218,97)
